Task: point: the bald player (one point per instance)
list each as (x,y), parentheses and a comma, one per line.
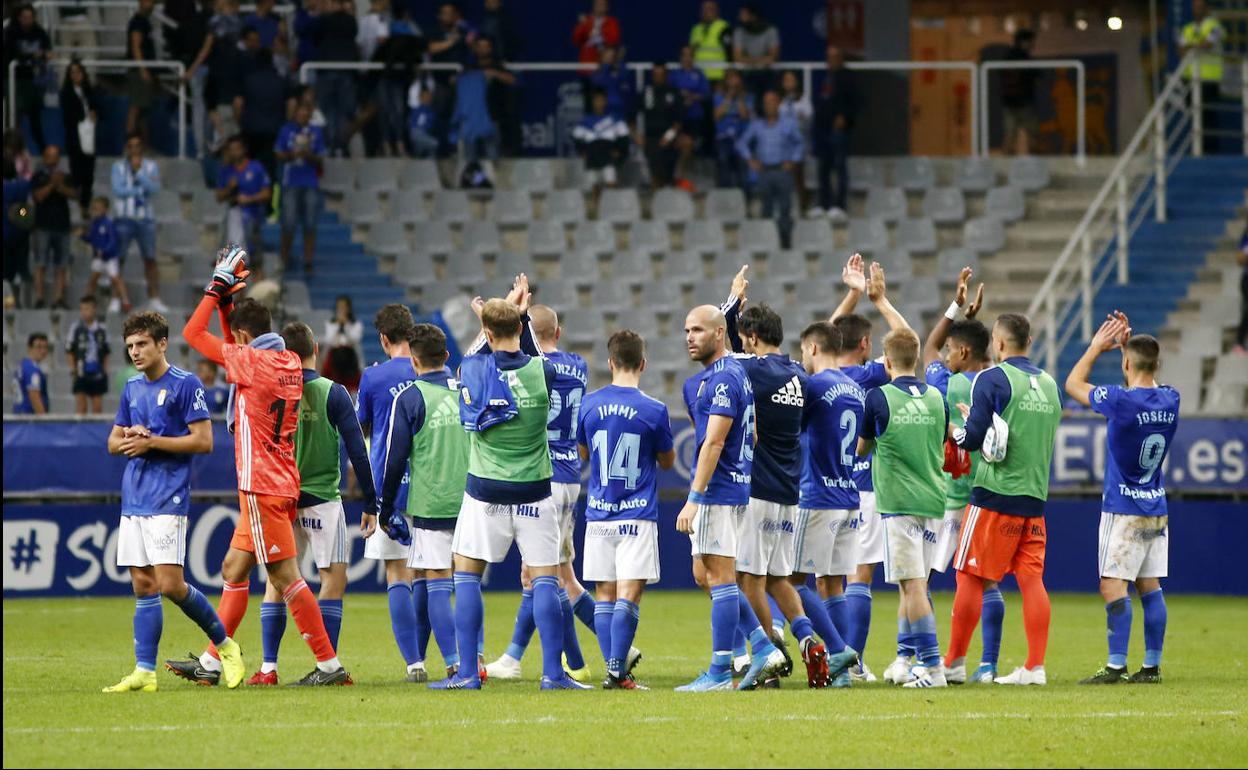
(720,401)
(567,390)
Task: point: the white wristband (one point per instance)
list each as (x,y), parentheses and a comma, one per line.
(952,312)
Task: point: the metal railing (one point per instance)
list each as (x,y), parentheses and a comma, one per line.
(178,68)
(1081,87)
(1136,185)
(806,68)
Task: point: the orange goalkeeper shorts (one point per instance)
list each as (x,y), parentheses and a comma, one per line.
(993,544)
(266,527)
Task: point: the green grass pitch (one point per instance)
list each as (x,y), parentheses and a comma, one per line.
(59,653)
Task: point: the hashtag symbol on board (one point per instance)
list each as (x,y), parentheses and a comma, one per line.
(26,552)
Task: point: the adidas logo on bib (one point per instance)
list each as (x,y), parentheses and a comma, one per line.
(790,394)
(1034,400)
(914,412)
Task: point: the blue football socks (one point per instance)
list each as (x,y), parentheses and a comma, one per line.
(149,620)
(1155,616)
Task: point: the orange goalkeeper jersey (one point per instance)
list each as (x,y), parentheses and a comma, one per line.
(270,384)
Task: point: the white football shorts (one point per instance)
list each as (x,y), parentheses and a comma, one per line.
(627,549)
(870,530)
(715,530)
(565,496)
(1134,547)
(825,542)
(431,549)
(145,541)
(322,530)
(765,539)
(486,531)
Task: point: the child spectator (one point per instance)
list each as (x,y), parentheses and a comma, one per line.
(87,348)
(420,128)
(101,235)
(602,139)
(32,382)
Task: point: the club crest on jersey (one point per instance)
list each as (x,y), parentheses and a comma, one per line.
(465,396)
(161,396)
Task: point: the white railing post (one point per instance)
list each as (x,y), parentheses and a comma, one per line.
(1159,166)
(12,101)
(1050,334)
(1198,117)
(1081,104)
(1123,235)
(1085,285)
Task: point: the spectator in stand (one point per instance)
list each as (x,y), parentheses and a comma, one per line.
(271,26)
(101,235)
(32,381)
(836,105)
(18,219)
(772,145)
(301,149)
(502,95)
(734,108)
(661,113)
(79,113)
(76,30)
(220,52)
(344,334)
(695,93)
(711,39)
(400,51)
(86,346)
(244,186)
(374,28)
(135,179)
(52,190)
(615,81)
(449,44)
(307,16)
(259,106)
(1018,97)
(755,49)
(421,126)
(593,32)
(602,138)
(307,96)
(140,81)
(249,48)
(215,393)
(335,33)
(28,44)
(15,150)
(472,124)
(183,43)
(795,106)
(498,26)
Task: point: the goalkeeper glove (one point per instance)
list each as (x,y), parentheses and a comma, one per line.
(229,274)
(396,528)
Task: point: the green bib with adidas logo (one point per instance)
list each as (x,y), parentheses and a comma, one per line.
(910,453)
(439,458)
(958,491)
(316,443)
(517,450)
(1033,412)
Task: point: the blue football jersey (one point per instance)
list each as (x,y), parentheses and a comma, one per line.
(30,376)
(565,404)
(870,375)
(1141,429)
(779,385)
(724,389)
(624,430)
(830,425)
(160,482)
(380,385)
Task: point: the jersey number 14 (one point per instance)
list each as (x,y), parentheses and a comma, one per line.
(622,462)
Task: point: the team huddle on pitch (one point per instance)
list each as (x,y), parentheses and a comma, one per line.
(927,457)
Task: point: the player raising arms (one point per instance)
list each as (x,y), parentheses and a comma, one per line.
(721,406)
(326,423)
(625,436)
(504,403)
(825,544)
(268,385)
(905,421)
(565,404)
(161,422)
(428,448)
(406,590)
(766,538)
(1135,532)
(1003,530)
(854,360)
(953,376)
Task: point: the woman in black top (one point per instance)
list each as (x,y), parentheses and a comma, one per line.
(79,102)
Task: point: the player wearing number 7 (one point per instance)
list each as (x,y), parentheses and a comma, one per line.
(1135,532)
(266,386)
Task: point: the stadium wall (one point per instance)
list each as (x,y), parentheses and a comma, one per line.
(60,512)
